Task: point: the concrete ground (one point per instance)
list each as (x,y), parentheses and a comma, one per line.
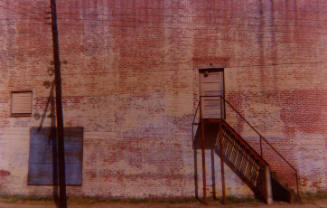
(193,204)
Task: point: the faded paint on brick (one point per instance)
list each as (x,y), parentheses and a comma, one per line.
(131,81)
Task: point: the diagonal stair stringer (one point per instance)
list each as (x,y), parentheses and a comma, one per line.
(245,162)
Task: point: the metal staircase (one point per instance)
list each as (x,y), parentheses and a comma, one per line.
(245,157)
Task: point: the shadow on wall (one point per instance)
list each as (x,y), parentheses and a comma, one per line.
(53,141)
(43,166)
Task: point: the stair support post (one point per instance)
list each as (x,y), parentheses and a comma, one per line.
(203,154)
(213,178)
(297,184)
(196,173)
(203,161)
(268,187)
(222,168)
(261,154)
(195,152)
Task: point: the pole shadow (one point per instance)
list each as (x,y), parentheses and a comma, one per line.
(53,142)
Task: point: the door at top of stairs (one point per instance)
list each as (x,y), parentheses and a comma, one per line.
(212,84)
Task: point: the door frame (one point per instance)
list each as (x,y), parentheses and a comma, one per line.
(214,69)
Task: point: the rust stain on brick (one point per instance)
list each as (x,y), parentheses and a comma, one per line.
(4,173)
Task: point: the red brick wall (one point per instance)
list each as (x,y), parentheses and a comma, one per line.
(131,81)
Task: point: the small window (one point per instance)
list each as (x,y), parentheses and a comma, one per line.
(21,103)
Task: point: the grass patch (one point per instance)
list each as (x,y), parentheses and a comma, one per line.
(18,198)
(313,196)
(95,200)
(241,200)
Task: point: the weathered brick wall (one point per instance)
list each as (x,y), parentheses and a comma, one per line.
(131,81)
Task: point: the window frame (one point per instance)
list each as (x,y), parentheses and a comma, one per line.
(12,114)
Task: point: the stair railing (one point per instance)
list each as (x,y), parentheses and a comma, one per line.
(262,139)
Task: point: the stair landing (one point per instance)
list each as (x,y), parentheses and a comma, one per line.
(211,129)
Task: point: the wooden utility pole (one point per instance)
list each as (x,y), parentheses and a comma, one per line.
(59,114)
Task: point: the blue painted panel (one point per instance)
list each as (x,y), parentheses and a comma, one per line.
(42,164)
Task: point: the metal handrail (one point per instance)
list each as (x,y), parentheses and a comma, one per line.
(196,110)
(255,130)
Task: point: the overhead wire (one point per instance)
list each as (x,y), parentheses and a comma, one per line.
(188,16)
(213,23)
(176,37)
(213,20)
(26,13)
(138,22)
(226,67)
(23,19)
(178,27)
(25,9)
(267,24)
(210,14)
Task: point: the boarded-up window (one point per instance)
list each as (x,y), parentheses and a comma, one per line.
(21,103)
